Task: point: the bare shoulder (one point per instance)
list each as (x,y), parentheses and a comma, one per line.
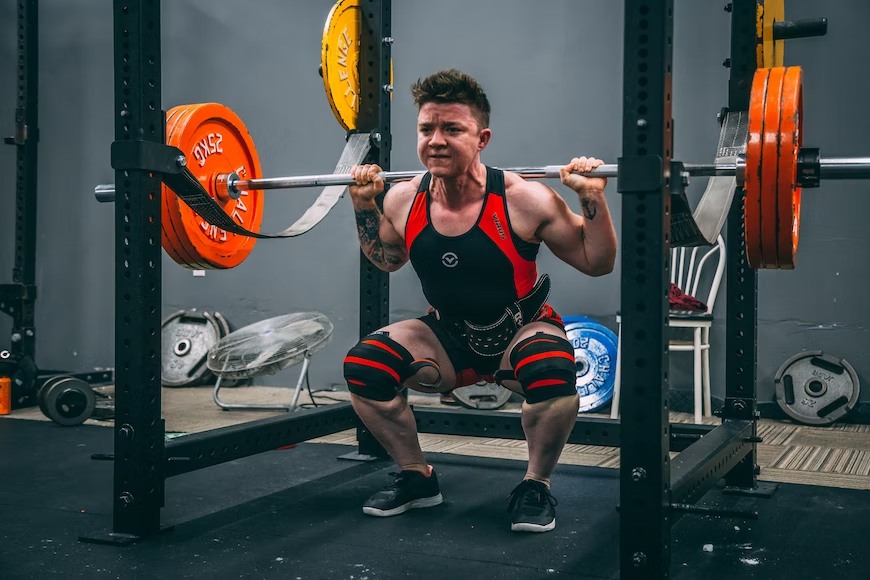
(531,196)
(398,201)
(531,205)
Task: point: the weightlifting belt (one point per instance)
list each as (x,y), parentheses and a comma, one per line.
(493,339)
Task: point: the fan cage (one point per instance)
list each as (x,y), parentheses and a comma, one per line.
(269,346)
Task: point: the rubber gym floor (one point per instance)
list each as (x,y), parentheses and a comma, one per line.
(296,513)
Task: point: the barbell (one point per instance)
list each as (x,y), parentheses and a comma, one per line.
(219,154)
(813,169)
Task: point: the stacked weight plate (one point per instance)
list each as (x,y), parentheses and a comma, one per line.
(215,141)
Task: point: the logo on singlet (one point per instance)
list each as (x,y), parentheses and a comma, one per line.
(498,225)
(450,260)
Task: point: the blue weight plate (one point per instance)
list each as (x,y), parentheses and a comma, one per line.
(595,357)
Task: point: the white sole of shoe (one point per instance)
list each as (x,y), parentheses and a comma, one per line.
(526,527)
(417,503)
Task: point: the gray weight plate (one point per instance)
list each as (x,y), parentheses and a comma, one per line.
(482,396)
(68,401)
(187,336)
(816,388)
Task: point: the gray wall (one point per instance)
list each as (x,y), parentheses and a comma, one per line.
(553,72)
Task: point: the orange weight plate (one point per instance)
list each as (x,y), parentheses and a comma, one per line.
(168,237)
(753,179)
(215,141)
(770,167)
(788,190)
(167,241)
(172,224)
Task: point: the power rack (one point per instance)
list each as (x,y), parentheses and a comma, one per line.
(655,491)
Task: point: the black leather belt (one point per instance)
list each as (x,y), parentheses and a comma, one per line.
(493,339)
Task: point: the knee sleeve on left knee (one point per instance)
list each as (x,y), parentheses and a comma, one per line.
(544,365)
(376,367)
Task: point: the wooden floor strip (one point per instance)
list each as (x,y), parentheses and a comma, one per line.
(837,455)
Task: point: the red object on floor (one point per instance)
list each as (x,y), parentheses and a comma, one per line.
(287,447)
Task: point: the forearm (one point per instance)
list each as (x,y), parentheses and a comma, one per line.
(387,257)
(598,235)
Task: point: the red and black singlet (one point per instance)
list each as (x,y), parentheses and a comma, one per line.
(475,275)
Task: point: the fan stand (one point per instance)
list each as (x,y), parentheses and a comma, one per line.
(303,376)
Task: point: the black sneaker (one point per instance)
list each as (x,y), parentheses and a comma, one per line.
(410,490)
(532,507)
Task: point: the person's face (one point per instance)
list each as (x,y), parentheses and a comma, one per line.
(448,138)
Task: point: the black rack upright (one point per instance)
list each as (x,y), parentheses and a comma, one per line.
(374,118)
(18,298)
(139,428)
(741,324)
(644,180)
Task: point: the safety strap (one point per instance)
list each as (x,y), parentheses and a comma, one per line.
(712,210)
(704,226)
(186,186)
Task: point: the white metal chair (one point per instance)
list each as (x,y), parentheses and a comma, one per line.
(701,322)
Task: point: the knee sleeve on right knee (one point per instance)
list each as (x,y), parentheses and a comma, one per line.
(376,367)
(544,366)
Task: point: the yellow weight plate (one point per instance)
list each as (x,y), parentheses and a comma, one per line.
(339,61)
(769,51)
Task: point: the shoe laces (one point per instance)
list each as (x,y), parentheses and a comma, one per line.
(400,479)
(532,493)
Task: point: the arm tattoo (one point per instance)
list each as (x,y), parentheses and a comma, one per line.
(394,253)
(368,222)
(589,210)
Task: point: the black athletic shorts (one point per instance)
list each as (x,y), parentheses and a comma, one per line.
(471,367)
